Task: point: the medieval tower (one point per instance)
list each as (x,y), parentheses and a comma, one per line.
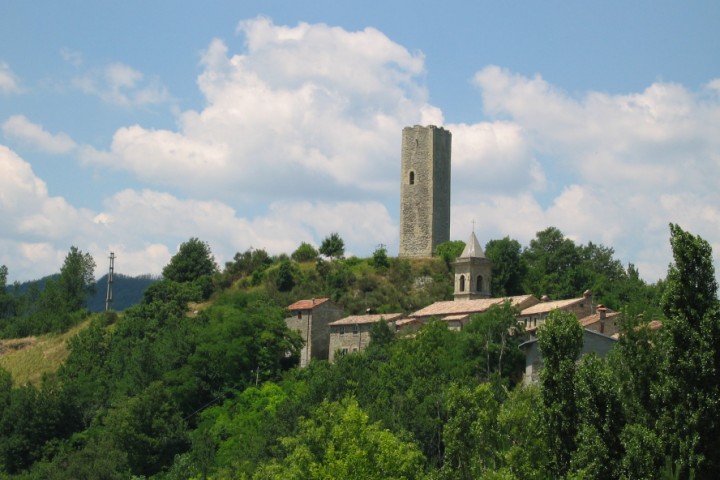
(424,190)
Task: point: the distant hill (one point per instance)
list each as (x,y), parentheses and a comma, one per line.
(127,291)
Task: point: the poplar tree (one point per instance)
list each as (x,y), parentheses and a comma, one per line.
(689,384)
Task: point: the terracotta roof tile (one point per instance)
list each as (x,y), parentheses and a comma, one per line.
(546,307)
(455,307)
(594,318)
(307,304)
(364,319)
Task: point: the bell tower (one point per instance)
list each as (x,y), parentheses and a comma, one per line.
(424,190)
(473,272)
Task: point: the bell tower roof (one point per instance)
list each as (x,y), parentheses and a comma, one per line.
(472,248)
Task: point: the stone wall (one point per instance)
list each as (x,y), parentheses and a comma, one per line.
(313,327)
(424,190)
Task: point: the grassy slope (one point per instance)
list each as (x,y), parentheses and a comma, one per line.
(27,359)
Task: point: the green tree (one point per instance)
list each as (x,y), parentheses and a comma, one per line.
(552,261)
(380,258)
(471,435)
(508,267)
(305,253)
(449,251)
(689,392)
(339,441)
(601,420)
(77,278)
(333,246)
(491,343)
(285,280)
(149,427)
(193,260)
(560,340)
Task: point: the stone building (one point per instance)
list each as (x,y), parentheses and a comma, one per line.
(457,313)
(593,341)
(603,321)
(473,272)
(311,319)
(352,334)
(535,315)
(424,190)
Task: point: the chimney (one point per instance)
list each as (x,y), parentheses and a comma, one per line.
(603,315)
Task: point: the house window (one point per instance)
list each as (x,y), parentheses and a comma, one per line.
(412,178)
(342,330)
(344,350)
(356,329)
(479,283)
(462,283)
(299,313)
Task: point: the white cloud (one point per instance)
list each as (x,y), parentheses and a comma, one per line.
(9,82)
(304,111)
(122,85)
(20,128)
(622,166)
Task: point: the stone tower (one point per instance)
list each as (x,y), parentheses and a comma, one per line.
(473,272)
(424,190)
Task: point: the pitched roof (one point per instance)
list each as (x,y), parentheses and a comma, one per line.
(546,307)
(307,304)
(472,248)
(364,319)
(455,307)
(595,317)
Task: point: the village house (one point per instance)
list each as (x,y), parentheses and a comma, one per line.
(311,319)
(603,321)
(593,341)
(352,334)
(534,316)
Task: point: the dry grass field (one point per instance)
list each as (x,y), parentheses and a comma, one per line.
(29,358)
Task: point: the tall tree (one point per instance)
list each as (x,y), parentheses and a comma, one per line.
(552,261)
(333,246)
(193,260)
(77,278)
(508,267)
(560,339)
(689,390)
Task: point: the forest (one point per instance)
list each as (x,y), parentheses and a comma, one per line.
(199,380)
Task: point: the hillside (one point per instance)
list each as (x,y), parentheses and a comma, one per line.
(29,358)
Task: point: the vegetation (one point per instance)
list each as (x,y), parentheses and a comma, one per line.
(163,392)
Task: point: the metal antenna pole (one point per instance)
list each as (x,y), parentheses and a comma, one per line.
(109,297)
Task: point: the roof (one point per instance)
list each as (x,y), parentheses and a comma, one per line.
(407,321)
(546,307)
(472,248)
(595,317)
(586,331)
(365,319)
(455,307)
(307,304)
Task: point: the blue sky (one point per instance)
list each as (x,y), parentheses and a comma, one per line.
(133,126)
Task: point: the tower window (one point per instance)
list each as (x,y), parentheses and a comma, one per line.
(479,283)
(462,283)
(412,178)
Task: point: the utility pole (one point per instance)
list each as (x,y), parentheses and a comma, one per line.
(109,296)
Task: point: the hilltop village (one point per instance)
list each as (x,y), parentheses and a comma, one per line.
(478,374)
(424,224)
